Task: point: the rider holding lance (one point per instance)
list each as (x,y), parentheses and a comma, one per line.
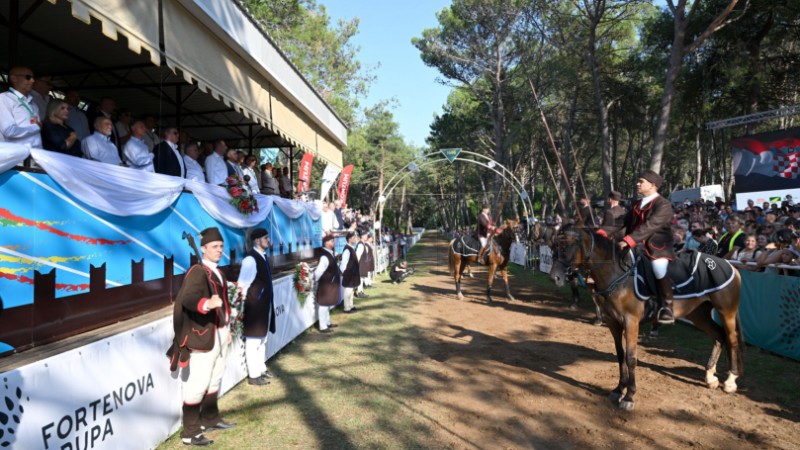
(649,223)
(485,229)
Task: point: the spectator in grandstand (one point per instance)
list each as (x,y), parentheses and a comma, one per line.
(106,108)
(151,138)
(98,146)
(56,134)
(136,153)
(232,164)
(167,159)
(123,127)
(286,184)
(216,169)
(193,169)
(77,118)
(337,211)
(40,93)
(328,223)
(707,243)
(20,118)
(250,176)
(269,185)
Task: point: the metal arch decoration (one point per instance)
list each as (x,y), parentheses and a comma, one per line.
(492,165)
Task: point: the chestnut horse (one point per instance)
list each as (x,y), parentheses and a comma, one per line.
(498,253)
(583,251)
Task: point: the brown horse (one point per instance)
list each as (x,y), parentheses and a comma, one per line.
(583,251)
(498,254)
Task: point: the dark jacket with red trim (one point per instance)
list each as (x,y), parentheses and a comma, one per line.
(195,328)
(652,227)
(614,221)
(484,224)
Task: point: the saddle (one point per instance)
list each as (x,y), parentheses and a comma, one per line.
(693,274)
(467,246)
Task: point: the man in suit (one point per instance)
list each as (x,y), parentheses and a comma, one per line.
(649,223)
(614,217)
(201,316)
(255,280)
(167,158)
(585,214)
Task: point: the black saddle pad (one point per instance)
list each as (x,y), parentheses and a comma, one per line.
(693,274)
(467,246)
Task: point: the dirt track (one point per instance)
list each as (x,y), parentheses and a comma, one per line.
(534,374)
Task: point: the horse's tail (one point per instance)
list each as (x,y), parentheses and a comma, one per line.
(451,258)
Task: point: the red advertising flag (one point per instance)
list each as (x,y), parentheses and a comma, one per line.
(304,173)
(344,183)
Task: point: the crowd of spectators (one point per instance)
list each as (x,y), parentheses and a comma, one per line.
(31,113)
(763,237)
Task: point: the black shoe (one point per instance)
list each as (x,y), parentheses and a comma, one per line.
(665,316)
(363,295)
(222,425)
(333,325)
(198,441)
(260,381)
(267,374)
(326,330)
(350,311)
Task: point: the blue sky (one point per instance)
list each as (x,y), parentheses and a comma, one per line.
(386,29)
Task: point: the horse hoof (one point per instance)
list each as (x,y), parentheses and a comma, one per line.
(597,323)
(511,298)
(573,307)
(615,397)
(728,389)
(626,405)
(460,297)
(713,384)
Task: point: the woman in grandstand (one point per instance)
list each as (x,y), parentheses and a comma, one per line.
(56,134)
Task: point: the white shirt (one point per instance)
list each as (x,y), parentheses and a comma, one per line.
(648,199)
(345,258)
(329,222)
(138,156)
(216,171)
(322,266)
(99,147)
(193,169)
(17,114)
(249,270)
(360,248)
(77,121)
(253,183)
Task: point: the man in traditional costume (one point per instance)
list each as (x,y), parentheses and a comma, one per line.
(329,284)
(255,281)
(201,318)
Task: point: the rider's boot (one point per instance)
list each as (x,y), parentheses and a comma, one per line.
(665,315)
(481,254)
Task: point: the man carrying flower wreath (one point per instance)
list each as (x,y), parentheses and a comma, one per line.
(255,281)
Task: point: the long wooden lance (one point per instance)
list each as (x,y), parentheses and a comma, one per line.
(553,179)
(555,150)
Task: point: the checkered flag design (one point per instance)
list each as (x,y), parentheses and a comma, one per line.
(785,162)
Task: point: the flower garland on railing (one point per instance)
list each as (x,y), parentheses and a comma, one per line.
(241,197)
(236,300)
(303,281)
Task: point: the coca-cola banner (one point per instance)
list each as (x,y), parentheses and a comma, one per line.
(765,167)
(344,183)
(304,173)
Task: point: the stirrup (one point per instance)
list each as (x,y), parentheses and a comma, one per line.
(668,318)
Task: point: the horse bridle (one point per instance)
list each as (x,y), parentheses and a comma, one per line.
(583,269)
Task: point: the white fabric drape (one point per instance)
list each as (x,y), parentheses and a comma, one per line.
(117,190)
(216,201)
(12,155)
(123,191)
